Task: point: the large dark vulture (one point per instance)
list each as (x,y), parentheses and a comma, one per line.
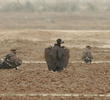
(57,57)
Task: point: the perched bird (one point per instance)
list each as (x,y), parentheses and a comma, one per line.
(87,55)
(57,56)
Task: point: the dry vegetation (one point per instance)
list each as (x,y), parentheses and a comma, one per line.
(48,20)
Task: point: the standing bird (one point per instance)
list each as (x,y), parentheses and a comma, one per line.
(57,56)
(87,55)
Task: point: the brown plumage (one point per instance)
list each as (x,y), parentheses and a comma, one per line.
(11,60)
(87,55)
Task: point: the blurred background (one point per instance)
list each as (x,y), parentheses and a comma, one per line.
(55,14)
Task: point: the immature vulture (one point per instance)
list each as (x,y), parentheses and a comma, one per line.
(10,60)
(87,55)
(57,57)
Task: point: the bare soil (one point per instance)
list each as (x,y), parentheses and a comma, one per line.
(35,78)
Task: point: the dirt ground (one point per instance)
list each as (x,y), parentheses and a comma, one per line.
(50,20)
(35,78)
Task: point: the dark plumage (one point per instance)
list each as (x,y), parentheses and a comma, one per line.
(57,57)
